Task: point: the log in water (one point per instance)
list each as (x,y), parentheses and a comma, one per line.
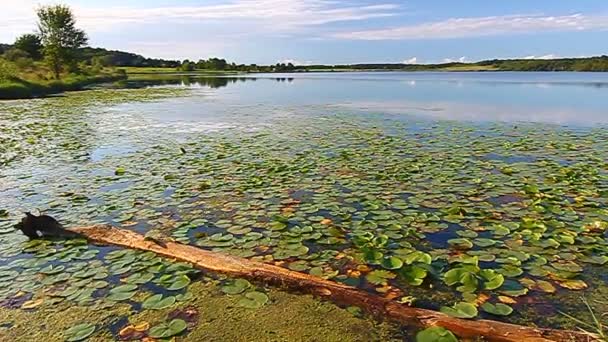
(336,292)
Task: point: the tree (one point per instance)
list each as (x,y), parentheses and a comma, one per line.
(59,36)
(187,66)
(31,44)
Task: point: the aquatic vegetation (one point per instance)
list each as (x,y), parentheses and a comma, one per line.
(479,220)
(165,330)
(435,334)
(79,332)
(597,326)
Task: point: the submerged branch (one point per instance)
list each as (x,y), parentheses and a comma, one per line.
(336,292)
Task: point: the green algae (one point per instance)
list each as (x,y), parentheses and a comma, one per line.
(290,318)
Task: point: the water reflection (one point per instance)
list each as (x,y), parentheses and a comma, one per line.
(190,81)
(556,98)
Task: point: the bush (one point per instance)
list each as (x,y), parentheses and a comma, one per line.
(8,71)
(24,62)
(15,54)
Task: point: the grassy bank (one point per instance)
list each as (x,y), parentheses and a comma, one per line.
(17,88)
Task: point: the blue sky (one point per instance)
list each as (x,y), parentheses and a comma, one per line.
(334,31)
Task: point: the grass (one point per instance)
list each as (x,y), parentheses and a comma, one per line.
(34,80)
(17,88)
(593,328)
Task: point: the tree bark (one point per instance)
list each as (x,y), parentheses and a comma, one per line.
(336,292)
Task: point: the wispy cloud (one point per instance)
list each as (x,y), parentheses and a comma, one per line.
(549,56)
(268,16)
(281,14)
(482,26)
(462,59)
(413,60)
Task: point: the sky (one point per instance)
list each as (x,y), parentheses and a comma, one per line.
(332,31)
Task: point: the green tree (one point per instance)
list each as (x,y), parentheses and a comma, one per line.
(187,66)
(31,44)
(59,36)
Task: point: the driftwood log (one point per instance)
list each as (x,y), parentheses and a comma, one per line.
(334,291)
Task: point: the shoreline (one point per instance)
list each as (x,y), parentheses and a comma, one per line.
(21,90)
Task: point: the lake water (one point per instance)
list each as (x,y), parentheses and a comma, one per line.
(579,99)
(437,189)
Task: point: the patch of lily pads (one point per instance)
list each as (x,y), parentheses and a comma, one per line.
(485,214)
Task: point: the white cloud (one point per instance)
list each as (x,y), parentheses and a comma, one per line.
(278,14)
(549,56)
(120,27)
(413,60)
(482,26)
(462,59)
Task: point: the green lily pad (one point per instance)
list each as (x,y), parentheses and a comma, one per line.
(392,263)
(435,334)
(236,287)
(379,277)
(157,302)
(166,330)
(79,332)
(498,309)
(179,283)
(460,310)
(253,300)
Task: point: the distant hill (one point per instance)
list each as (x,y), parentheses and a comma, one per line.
(563,64)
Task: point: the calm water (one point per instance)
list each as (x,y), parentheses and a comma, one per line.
(579,99)
(356,148)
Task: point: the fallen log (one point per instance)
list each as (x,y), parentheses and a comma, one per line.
(336,292)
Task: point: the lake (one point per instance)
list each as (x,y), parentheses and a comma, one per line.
(482,195)
(556,98)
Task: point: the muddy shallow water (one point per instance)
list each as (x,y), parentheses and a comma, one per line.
(504,215)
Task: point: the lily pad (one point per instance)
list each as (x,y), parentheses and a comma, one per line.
(158,302)
(253,300)
(236,287)
(498,309)
(166,330)
(79,332)
(461,310)
(435,334)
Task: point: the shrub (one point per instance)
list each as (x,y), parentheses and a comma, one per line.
(8,71)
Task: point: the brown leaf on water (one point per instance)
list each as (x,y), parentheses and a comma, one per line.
(31,304)
(507,300)
(130,333)
(545,286)
(353,273)
(363,268)
(573,284)
(482,298)
(142,326)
